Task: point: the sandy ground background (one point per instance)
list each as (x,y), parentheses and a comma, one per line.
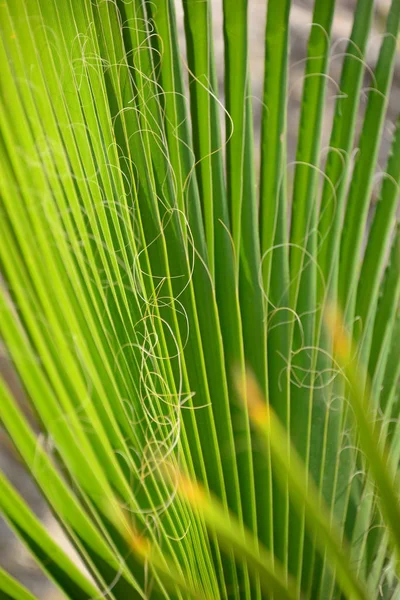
(13,557)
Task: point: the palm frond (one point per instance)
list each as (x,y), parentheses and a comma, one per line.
(163,301)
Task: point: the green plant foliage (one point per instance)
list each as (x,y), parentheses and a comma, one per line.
(212,428)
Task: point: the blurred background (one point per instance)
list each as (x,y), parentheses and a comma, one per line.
(13,557)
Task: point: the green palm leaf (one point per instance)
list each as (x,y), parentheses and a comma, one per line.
(163,302)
